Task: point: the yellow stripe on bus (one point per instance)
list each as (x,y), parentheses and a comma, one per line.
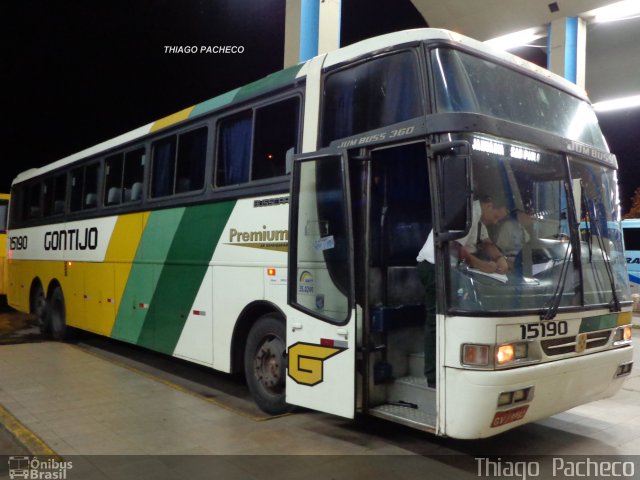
(172,119)
(118,260)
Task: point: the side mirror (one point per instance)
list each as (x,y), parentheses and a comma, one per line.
(454,185)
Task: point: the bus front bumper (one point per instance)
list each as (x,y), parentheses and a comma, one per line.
(472,396)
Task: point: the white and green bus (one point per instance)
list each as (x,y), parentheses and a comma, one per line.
(273,230)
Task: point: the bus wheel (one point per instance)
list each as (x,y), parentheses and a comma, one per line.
(37,305)
(55,321)
(264,364)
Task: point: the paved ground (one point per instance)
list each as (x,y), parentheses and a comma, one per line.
(116,411)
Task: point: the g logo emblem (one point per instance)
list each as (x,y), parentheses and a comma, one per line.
(306,362)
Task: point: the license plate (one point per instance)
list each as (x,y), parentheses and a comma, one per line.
(508,416)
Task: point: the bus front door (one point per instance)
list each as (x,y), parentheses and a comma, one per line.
(321,328)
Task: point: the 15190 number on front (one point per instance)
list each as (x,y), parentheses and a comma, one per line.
(532,331)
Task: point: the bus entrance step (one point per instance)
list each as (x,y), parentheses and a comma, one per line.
(413,390)
(406,416)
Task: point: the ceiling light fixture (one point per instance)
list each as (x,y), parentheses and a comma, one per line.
(516,39)
(616,11)
(617,104)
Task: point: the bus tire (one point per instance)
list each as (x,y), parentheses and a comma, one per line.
(55,316)
(38,305)
(265,364)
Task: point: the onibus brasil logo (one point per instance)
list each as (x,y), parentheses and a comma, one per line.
(38,469)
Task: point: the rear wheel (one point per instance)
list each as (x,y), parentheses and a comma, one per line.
(264,364)
(37,305)
(55,316)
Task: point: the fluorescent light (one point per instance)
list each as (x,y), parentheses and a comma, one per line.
(616,11)
(515,39)
(617,104)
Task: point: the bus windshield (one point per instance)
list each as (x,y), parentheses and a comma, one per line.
(560,232)
(464,83)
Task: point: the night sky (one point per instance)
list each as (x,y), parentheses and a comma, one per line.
(78,73)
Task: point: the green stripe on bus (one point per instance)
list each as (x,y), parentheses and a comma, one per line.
(601,322)
(270,83)
(214,103)
(182,275)
(154,246)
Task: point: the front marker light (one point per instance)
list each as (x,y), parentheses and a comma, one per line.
(511,352)
(475,355)
(505,353)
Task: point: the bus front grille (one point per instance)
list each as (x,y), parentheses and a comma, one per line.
(560,346)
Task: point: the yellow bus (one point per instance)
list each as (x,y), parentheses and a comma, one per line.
(4,207)
(273,230)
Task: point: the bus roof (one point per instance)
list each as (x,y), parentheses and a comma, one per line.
(289,75)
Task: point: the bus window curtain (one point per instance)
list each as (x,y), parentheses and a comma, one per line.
(163,167)
(235,149)
(198,156)
(400,84)
(338,116)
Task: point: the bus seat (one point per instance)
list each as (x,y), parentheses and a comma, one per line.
(136,191)
(113,195)
(58,206)
(91,200)
(183,185)
(385,317)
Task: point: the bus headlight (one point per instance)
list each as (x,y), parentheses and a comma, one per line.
(622,335)
(487,357)
(511,352)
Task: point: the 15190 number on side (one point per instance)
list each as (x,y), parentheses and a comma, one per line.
(532,331)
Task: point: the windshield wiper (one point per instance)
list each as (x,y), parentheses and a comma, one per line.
(554,302)
(614,304)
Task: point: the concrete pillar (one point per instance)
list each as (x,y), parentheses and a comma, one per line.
(566,49)
(312,27)
(329,33)
(292,33)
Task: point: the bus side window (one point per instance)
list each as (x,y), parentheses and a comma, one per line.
(276,131)
(234,150)
(91,181)
(76,189)
(163,167)
(133,175)
(371,95)
(4,206)
(31,203)
(113,179)
(54,195)
(192,155)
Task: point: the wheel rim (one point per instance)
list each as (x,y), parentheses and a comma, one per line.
(269,365)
